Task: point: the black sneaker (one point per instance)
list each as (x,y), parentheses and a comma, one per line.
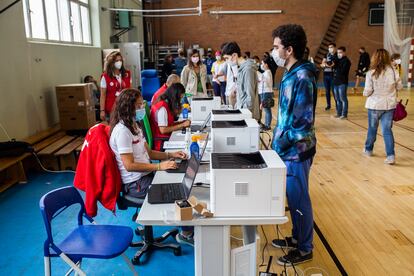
(327,108)
(286,243)
(294,257)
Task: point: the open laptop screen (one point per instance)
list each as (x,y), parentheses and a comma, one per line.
(190,175)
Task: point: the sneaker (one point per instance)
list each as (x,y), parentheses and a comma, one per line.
(327,108)
(189,240)
(368,153)
(390,160)
(284,243)
(343,117)
(294,257)
(337,116)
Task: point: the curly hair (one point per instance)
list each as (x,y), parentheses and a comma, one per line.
(124,109)
(292,35)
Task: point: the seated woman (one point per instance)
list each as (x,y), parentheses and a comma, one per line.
(131,150)
(163,114)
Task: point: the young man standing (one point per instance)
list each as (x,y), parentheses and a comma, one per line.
(246,94)
(294,137)
(328,64)
(363,67)
(340,82)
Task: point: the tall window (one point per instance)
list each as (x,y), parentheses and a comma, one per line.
(66,21)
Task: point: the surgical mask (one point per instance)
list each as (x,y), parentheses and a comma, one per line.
(279,61)
(331,50)
(139,114)
(340,56)
(195,59)
(218,58)
(262,67)
(118,64)
(398,61)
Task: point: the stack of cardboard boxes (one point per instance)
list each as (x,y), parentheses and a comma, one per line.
(76,106)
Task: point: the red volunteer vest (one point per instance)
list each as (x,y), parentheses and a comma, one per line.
(156,134)
(113,88)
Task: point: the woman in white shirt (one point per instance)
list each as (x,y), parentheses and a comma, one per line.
(219,78)
(381,86)
(130,147)
(265,87)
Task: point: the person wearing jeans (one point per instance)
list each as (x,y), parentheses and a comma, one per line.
(327,64)
(340,82)
(265,86)
(381,86)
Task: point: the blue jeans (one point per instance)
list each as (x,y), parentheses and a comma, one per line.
(299,202)
(374,117)
(327,82)
(341,99)
(267,110)
(220,90)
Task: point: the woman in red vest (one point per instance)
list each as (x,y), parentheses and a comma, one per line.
(163,114)
(114,79)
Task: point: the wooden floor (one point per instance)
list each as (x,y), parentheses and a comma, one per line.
(364,208)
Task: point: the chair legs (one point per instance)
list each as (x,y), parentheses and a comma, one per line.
(47,266)
(130,265)
(149,243)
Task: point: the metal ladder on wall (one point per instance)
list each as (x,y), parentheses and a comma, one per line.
(333,29)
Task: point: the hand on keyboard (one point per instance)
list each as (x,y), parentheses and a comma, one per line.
(167,165)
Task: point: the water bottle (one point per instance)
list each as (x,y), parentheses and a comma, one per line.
(194,147)
(185,111)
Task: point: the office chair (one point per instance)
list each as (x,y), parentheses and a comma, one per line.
(146,126)
(148,243)
(85,241)
(150,83)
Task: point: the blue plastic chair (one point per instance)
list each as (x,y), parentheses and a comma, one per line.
(150,83)
(85,241)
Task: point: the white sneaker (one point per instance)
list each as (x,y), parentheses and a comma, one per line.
(368,153)
(390,160)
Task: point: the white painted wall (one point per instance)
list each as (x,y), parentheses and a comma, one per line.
(29,71)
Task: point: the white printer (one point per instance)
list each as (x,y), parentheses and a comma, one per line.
(230,114)
(201,107)
(247,184)
(235,136)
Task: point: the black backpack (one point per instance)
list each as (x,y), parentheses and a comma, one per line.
(14,148)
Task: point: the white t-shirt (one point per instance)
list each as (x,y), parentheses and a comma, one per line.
(162,117)
(123,141)
(118,78)
(231,84)
(265,82)
(218,68)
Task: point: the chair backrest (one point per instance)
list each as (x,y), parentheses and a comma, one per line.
(150,83)
(147,131)
(56,201)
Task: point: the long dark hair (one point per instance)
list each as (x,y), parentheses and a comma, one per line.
(124,109)
(110,64)
(190,63)
(172,96)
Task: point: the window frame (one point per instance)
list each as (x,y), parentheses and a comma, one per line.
(29,33)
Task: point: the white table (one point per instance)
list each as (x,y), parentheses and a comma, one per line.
(211,235)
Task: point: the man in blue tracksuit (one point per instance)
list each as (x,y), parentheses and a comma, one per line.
(294,137)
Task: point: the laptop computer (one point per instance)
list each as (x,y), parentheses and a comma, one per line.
(169,193)
(195,128)
(183,164)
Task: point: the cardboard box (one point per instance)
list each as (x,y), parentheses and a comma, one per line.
(183,213)
(76,106)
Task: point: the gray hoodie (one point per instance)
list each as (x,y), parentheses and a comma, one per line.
(247,96)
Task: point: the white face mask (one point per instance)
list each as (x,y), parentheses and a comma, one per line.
(195,59)
(331,50)
(340,56)
(279,61)
(118,64)
(262,67)
(218,58)
(398,61)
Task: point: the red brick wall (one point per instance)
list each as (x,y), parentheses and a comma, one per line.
(253,32)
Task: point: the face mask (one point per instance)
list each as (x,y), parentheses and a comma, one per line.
(340,56)
(195,59)
(218,58)
(262,67)
(139,114)
(118,64)
(279,61)
(331,50)
(398,61)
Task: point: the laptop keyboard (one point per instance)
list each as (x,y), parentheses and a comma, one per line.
(171,192)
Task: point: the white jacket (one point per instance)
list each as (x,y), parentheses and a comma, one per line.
(189,79)
(265,82)
(382,92)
